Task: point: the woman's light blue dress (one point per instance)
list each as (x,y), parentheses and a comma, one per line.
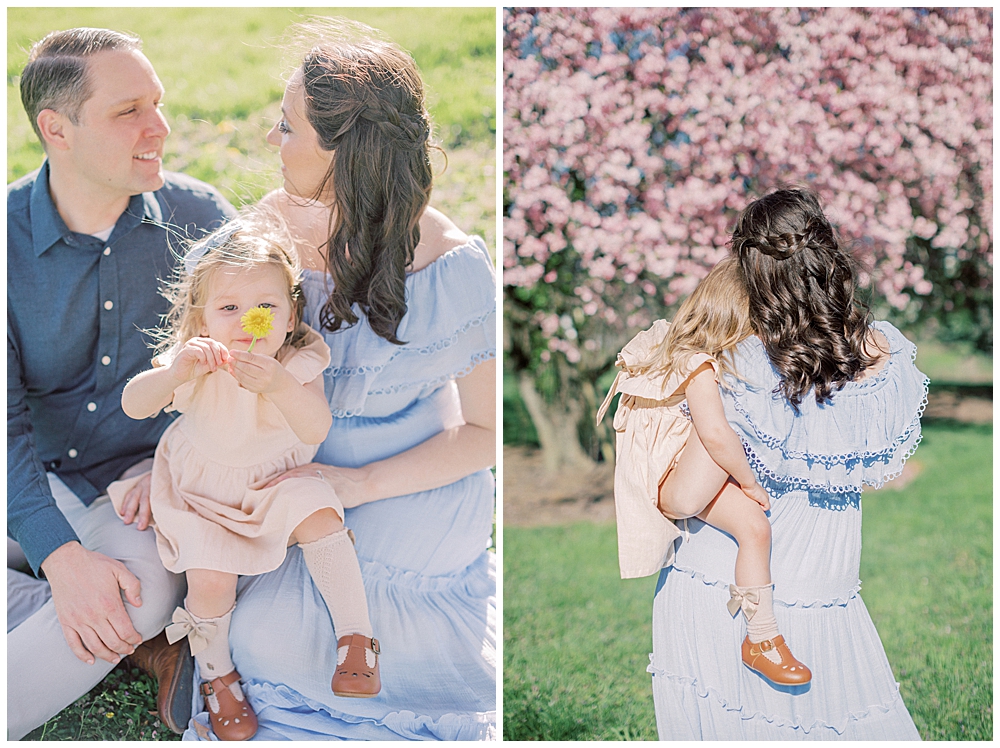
(429,578)
(813,465)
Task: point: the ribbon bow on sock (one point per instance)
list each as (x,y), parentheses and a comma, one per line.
(747,598)
(199,633)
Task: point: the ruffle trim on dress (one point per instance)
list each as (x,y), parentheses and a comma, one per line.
(830,459)
(746,714)
(872,474)
(842,599)
(464,581)
(408,725)
(449,327)
(474,360)
(426,350)
(882,412)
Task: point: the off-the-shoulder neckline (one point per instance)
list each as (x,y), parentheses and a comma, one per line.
(895,350)
(470,242)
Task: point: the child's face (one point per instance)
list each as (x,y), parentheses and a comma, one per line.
(233,292)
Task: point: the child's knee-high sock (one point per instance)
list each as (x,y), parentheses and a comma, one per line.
(215,660)
(337,575)
(761,623)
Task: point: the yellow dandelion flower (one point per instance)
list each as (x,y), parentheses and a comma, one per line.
(257,322)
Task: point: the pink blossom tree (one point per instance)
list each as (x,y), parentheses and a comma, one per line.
(632,137)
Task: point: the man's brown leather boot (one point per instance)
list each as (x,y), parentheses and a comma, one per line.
(173,668)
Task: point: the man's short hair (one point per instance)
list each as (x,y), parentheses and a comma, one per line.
(56,74)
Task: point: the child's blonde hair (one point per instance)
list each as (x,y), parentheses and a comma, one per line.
(257,237)
(712,320)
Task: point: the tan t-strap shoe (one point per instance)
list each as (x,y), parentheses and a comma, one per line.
(231,718)
(357,674)
(788,672)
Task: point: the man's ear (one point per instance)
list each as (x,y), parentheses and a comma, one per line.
(54,129)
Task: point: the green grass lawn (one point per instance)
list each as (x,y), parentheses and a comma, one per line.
(223,70)
(576,637)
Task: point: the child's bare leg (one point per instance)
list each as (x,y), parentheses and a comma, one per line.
(317,525)
(735,513)
(693,483)
(210,593)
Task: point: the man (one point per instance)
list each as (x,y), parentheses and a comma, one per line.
(90,236)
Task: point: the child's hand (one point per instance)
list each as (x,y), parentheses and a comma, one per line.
(198,356)
(758,494)
(256,372)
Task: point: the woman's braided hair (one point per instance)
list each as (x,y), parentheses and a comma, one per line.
(801,284)
(365,100)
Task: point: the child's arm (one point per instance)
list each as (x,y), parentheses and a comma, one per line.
(721,442)
(151,391)
(304,406)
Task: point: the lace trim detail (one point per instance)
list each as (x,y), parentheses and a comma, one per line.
(746,714)
(474,360)
(787,484)
(836,459)
(841,600)
(426,350)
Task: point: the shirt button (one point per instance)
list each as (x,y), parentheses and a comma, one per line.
(72,453)
(91,407)
(107,250)
(105,360)
(108,304)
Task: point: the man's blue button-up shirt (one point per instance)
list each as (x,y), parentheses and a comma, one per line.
(76,306)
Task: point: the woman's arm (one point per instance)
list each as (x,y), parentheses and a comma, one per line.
(721,442)
(443,459)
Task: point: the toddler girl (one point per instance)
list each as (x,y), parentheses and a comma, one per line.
(669,381)
(246,417)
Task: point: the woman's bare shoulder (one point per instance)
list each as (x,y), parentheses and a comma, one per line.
(877,345)
(438,235)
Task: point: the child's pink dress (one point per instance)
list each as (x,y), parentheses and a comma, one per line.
(210,510)
(652,431)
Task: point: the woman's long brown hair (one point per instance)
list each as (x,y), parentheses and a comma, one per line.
(365,100)
(801,284)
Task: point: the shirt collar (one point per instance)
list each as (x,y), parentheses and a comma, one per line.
(48,227)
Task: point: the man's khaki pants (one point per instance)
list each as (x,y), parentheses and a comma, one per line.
(43,674)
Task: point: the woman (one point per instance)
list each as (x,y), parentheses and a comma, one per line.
(406,302)
(828,402)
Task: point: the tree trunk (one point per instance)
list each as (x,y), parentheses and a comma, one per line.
(556,425)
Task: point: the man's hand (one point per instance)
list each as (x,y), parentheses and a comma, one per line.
(135,506)
(86,590)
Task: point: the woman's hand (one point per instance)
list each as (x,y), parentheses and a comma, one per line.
(198,356)
(348,483)
(257,373)
(758,494)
